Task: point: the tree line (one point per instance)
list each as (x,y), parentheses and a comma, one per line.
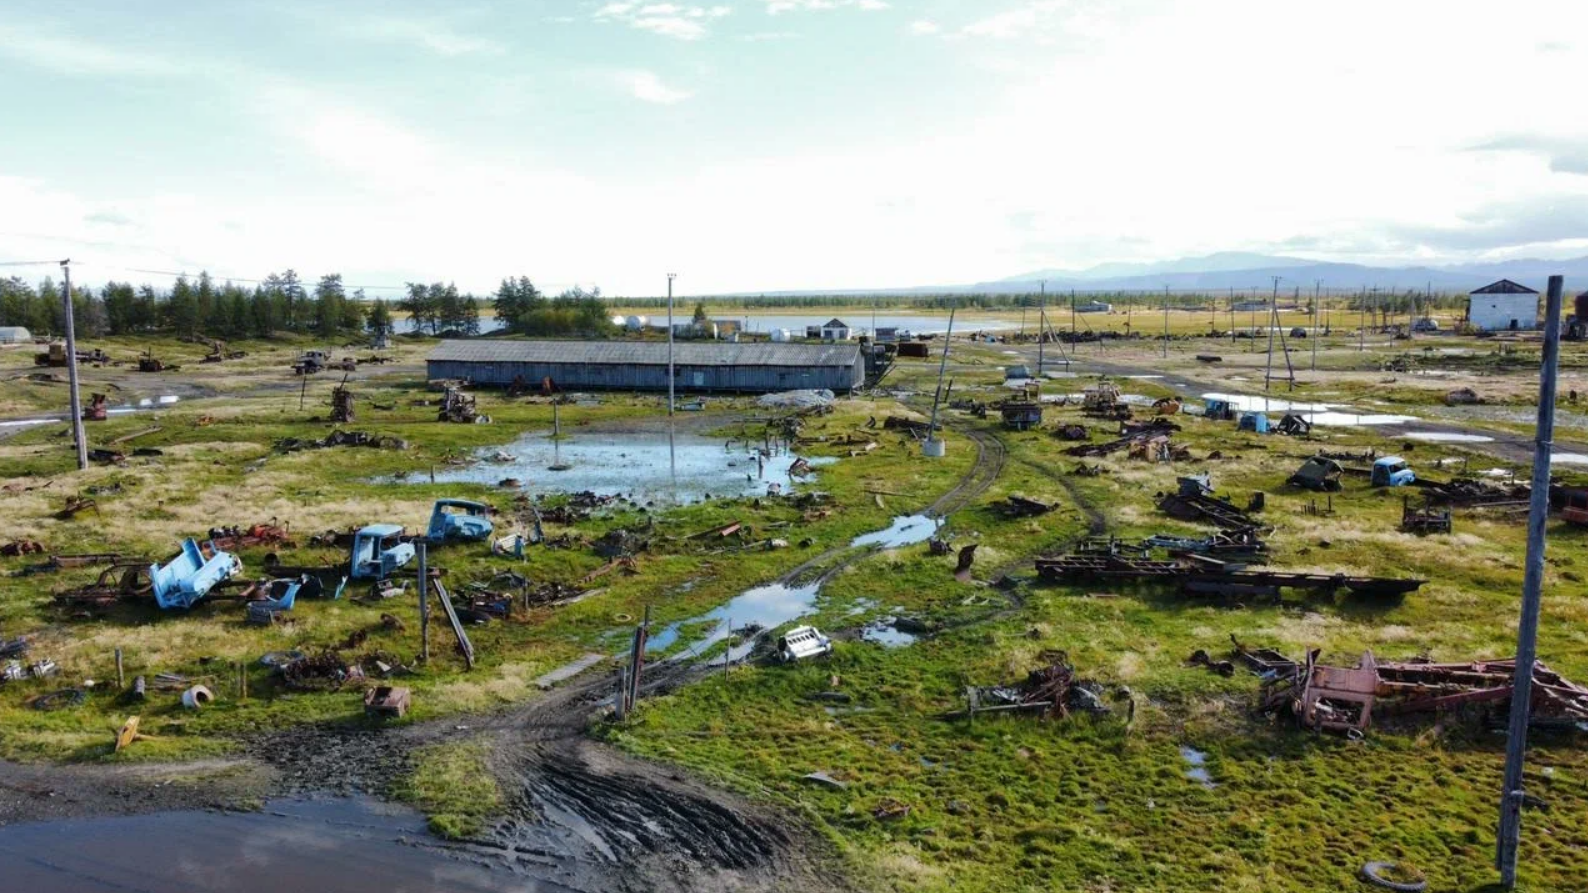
(197,307)
(283,303)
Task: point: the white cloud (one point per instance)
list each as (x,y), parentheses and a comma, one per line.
(62,52)
(679,21)
(777,7)
(1017,22)
(925,26)
(648,86)
(434,35)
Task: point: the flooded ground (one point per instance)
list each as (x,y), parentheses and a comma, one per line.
(1196,766)
(1446,437)
(143,405)
(766,607)
(347,845)
(636,465)
(885,632)
(1327,414)
(906,530)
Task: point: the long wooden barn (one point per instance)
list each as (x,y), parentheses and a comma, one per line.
(755,367)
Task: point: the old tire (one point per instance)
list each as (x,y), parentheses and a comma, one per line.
(1375,873)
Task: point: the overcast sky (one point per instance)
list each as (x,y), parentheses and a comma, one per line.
(781,144)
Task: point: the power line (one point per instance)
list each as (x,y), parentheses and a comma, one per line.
(29,263)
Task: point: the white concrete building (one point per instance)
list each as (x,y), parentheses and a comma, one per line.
(835,330)
(1503,306)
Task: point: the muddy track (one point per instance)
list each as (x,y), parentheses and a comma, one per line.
(1096,524)
(990,458)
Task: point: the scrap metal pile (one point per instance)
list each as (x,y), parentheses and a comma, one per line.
(341,438)
(456,406)
(1050,690)
(1347,699)
(1200,575)
(1195,502)
(1144,441)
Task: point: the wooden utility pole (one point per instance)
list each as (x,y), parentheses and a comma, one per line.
(1166,321)
(1273,319)
(424,602)
(76,400)
(1316,284)
(1511,795)
(1042,327)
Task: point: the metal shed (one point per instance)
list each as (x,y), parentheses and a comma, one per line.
(757,367)
(1503,306)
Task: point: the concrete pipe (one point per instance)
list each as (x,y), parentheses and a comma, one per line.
(197,697)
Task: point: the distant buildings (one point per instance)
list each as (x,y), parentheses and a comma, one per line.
(1503,306)
(714,366)
(835,329)
(1094,307)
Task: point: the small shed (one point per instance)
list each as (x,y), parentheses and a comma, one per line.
(835,329)
(887,334)
(15,335)
(728,327)
(1094,307)
(1503,306)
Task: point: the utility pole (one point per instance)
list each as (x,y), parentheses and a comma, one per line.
(1042,327)
(934,447)
(76,399)
(1532,597)
(1273,320)
(1232,317)
(1072,317)
(1316,285)
(1361,331)
(670,278)
(1166,321)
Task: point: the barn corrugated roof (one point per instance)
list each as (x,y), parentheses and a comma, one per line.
(1504,287)
(648,353)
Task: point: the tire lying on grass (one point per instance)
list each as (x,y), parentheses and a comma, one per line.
(1395,876)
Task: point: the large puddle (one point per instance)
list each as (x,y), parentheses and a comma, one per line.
(143,405)
(906,530)
(770,606)
(346,845)
(766,607)
(639,466)
(1446,437)
(1327,414)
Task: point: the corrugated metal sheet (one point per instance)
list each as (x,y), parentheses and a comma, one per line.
(648,353)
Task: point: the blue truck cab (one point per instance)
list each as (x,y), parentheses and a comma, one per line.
(459,519)
(190,576)
(1392,471)
(1253,421)
(1219,409)
(378,551)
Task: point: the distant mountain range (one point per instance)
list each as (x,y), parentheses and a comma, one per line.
(1243,271)
(1239,270)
